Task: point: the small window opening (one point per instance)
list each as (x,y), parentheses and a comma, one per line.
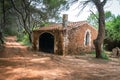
(87,39)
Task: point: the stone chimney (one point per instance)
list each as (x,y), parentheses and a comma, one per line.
(65,20)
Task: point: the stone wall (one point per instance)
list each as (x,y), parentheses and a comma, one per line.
(58,40)
(77,38)
(68,40)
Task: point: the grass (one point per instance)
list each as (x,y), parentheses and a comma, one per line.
(26,43)
(104,55)
(24,40)
(82,53)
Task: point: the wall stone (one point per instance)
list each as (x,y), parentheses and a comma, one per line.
(76,39)
(68,40)
(58,40)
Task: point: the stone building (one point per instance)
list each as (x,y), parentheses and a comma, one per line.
(65,38)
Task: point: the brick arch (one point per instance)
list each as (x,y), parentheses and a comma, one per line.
(46,42)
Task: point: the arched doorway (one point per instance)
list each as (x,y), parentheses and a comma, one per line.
(46,42)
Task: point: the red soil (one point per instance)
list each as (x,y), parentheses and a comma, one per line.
(19,63)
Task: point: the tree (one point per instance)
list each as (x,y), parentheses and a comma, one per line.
(113,28)
(2,20)
(6,17)
(23,13)
(4,9)
(112,38)
(101,27)
(93,18)
(28,13)
(99,4)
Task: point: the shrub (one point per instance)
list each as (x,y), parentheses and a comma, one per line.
(104,55)
(23,39)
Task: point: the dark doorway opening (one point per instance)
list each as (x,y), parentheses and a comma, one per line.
(46,43)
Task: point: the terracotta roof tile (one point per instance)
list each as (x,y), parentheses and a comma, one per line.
(60,27)
(51,27)
(71,24)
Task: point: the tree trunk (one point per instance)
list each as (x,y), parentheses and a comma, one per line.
(101,32)
(27,30)
(3,23)
(24,16)
(30,38)
(3,10)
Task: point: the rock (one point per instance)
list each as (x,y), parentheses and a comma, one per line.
(116,52)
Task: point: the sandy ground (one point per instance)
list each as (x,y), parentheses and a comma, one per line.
(19,63)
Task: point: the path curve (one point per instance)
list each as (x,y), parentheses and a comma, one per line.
(18,63)
(14,48)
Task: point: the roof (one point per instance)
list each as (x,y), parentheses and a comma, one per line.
(58,26)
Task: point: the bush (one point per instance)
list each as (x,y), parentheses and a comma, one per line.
(23,39)
(104,55)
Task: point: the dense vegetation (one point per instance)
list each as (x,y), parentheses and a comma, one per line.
(20,17)
(112,37)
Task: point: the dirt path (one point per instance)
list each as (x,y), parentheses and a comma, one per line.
(18,63)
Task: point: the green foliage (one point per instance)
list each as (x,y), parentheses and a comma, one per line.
(10,31)
(113,29)
(31,13)
(53,8)
(93,18)
(108,16)
(7,19)
(23,39)
(104,55)
(27,14)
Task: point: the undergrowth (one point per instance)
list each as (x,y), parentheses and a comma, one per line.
(23,39)
(104,55)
